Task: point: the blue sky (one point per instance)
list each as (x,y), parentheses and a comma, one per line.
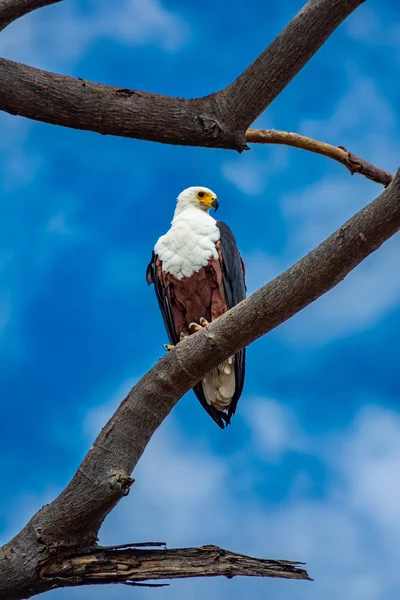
(309,470)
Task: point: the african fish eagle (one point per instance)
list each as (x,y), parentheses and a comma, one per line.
(198,274)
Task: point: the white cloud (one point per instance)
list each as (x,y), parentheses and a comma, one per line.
(252,171)
(177,483)
(274,427)
(183,496)
(369,461)
(361,111)
(187,494)
(55,38)
(246,175)
(366,122)
(19,167)
(139,22)
(316,211)
(349,538)
(179,494)
(369,291)
(363,298)
(373,28)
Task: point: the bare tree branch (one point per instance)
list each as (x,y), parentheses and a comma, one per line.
(54,545)
(110,565)
(10,10)
(218,120)
(72,521)
(354,163)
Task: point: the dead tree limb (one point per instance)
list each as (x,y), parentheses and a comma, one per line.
(217,120)
(354,163)
(71,522)
(131,565)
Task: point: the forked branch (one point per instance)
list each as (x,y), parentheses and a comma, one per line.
(217,120)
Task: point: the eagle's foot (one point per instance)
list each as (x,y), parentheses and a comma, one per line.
(193,327)
(183,336)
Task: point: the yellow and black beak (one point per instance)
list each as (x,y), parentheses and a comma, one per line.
(208,200)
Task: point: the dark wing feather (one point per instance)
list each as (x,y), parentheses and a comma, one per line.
(163,302)
(235,291)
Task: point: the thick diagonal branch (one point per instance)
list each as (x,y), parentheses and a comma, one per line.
(353,163)
(74,518)
(136,565)
(217,120)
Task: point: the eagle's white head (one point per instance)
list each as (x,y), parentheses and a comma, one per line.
(196,197)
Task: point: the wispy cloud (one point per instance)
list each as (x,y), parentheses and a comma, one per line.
(187,494)
(251,173)
(183,495)
(274,427)
(368,460)
(374,28)
(365,120)
(56,37)
(19,166)
(139,22)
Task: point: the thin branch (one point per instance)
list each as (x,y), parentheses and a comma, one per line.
(217,120)
(354,163)
(11,10)
(74,518)
(132,565)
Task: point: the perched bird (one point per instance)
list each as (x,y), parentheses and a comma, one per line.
(198,275)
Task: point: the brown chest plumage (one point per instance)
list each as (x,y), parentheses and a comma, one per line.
(191,298)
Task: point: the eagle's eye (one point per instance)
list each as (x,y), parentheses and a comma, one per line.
(200,194)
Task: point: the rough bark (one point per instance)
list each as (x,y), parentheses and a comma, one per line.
(218,120)
(354,163)
(72,521)
(132,565)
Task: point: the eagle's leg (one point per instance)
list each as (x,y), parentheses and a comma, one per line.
(183,336)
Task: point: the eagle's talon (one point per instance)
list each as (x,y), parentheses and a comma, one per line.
(204,322)
(194,327)
(183,336)
(168,347)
